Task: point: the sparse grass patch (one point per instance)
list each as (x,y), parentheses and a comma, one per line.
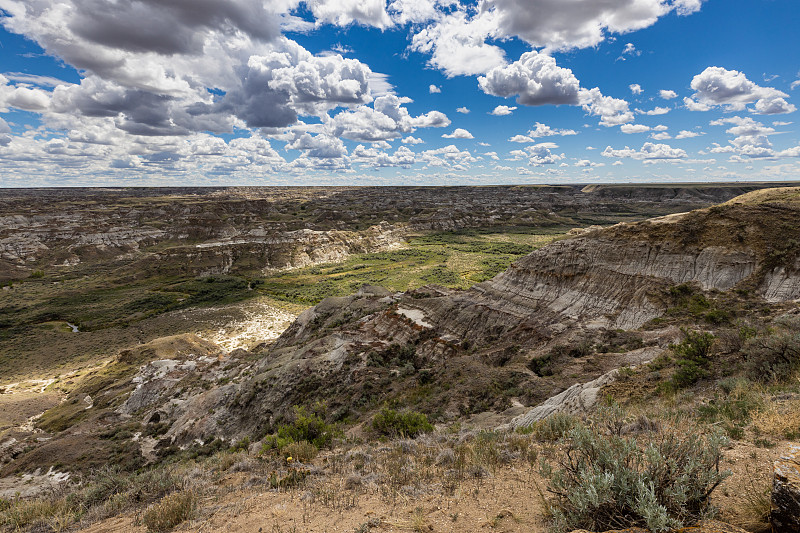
(302,451)
(734,407)
(170,511)
(756,492)
(105,492)
(779,419)
(554,427)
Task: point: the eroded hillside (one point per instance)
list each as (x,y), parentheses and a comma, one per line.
(601,313)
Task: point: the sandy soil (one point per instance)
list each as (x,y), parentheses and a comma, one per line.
(243,325)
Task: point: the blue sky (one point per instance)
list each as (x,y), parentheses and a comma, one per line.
(402,92)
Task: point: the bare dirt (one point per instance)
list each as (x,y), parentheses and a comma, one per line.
(506,501)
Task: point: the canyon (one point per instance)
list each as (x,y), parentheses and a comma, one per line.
(561,328)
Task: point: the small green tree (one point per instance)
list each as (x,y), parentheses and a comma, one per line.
(692,357)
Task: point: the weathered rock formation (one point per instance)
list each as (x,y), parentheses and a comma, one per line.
(499,344)
(484,348)
(785,515)
(580,398)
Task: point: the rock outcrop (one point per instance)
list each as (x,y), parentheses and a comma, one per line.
(580,398)
(785,514)
(501,330)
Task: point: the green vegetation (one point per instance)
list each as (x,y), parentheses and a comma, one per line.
(692,357)
(660,479)
(391,423)
(734,407)
(775,355)
(104,298)
(306,427)
(453,259)
(552,428)
(688,301)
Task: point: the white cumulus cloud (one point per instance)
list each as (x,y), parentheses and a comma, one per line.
(634,128)
(458,133)
(717,86)
(534,79)
(649,151)
(502,110)
(612,111)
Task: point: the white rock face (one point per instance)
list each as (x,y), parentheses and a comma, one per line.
(782,285)
(578,399)
(415,315)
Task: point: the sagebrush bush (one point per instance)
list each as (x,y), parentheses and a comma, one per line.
(604,480)
(775,356)
(391,423)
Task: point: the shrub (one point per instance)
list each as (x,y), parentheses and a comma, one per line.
(170,511)
(301,451)
(391,423)
(306,427)
(240,446)
(658,480)
(554,426)
(774,357)
(692,357)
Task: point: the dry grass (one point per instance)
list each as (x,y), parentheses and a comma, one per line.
(172,510)
(302,451)
(779,419)
(755,490)
(39,513)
